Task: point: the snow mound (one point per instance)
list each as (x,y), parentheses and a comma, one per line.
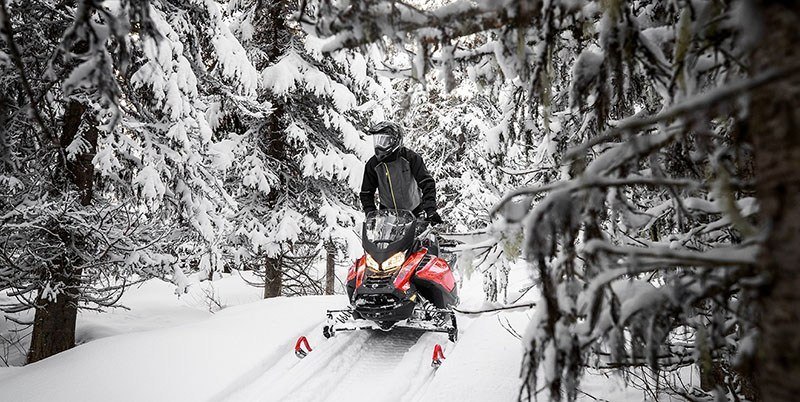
(186,363)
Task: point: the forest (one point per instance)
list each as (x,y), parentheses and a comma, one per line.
(636,162)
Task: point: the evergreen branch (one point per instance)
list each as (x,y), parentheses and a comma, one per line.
(701,102)
(715,257)
(594,182)
(7,31)
(451,21)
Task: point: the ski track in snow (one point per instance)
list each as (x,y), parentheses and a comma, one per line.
(362,365)
(245,353)
(256,372)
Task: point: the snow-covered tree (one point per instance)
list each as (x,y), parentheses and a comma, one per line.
(118,164)
(475,129)
(649,245)
(59,248)
(296,180)
(457,134)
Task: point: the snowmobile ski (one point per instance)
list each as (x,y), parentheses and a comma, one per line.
(438,356)
(298,350)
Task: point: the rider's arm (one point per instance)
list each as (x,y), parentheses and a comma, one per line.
(368,186)
(424,181)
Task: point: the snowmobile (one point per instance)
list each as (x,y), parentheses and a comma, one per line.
(400,281)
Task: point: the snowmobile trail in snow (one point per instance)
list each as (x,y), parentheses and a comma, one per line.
(362,365)
(256,372)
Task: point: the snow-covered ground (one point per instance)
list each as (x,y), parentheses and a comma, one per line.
(169,349)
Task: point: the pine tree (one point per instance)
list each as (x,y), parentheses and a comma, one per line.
(305,159)
(646,246)
(59,237)
(460,135)
(133,169)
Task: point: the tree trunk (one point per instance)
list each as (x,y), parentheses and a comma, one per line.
(330,269)
(54,322)
(775,128)
(273,278)
(272,35)
(80,169)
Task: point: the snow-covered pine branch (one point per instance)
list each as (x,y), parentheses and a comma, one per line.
(666,85)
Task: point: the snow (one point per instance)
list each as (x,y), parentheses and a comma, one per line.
(741,254)
(289,229)
(223,153)
(282,76)
(335,165)
(78,146)
(150,183)
(234,61)
(493,138)
(82,76)
(184,349)
(10,182)
(358,68)
(491,379)
(189,362)
(585,71)
(257,175)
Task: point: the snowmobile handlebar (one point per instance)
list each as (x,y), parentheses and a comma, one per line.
(425,228)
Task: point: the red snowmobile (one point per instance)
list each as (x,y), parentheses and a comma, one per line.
(400,281)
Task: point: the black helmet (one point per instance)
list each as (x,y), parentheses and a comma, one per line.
(387,137)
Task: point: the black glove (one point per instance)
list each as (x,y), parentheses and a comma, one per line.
(433,217)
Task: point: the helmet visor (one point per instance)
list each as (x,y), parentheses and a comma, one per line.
(386,141)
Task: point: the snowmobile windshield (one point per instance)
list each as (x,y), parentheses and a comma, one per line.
(387,226)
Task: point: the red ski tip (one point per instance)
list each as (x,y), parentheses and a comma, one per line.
(438,356)
(298,350)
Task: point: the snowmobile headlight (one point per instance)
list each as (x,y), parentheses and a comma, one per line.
(394,262)
(371,263)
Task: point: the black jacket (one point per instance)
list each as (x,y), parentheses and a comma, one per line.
(406,175)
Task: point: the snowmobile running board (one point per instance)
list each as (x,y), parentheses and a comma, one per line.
(429,320)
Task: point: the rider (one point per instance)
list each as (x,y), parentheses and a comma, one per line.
(399,175)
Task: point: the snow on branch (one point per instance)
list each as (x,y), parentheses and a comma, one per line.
(591,182)
(744,255)
(687,107)
(7,32)
(359,25)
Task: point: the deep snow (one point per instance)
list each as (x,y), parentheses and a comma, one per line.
(170,349)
